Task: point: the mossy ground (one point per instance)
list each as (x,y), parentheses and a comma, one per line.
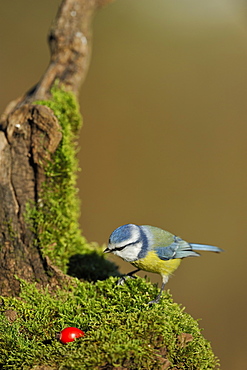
(121,330)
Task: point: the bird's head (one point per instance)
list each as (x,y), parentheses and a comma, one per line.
(128,242)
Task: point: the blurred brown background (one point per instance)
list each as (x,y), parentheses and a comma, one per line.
(164,137)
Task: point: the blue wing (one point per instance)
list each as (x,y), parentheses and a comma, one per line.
(168,246)
(178,249)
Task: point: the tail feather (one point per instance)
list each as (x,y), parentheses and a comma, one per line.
(203,247)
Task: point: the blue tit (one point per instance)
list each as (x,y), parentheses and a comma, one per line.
(152,249)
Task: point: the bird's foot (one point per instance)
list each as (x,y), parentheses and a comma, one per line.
(122,280)
(156,300)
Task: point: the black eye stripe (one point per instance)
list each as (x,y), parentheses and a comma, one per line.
(117,249)
(124,246)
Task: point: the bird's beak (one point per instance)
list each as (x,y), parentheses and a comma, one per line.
(107,250)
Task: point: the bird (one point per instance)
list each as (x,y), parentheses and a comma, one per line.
(152,249)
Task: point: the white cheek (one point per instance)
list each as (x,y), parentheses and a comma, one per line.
(130,253)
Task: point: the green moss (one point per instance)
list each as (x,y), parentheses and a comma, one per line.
(121,330)
(55,217)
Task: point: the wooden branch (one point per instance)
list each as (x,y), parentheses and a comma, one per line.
(70,41)
(29,134)
(70,45)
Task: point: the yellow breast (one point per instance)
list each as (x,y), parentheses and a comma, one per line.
(152,263)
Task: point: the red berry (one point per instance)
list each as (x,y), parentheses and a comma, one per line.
(70,334)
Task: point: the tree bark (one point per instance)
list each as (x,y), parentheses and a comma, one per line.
(29,134)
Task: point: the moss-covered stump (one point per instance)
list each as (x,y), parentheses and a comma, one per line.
(54,218)
(121,330)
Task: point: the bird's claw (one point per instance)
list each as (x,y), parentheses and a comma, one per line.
(122,280)
(154,301)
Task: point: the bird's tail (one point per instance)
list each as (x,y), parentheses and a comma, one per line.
(203,247)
